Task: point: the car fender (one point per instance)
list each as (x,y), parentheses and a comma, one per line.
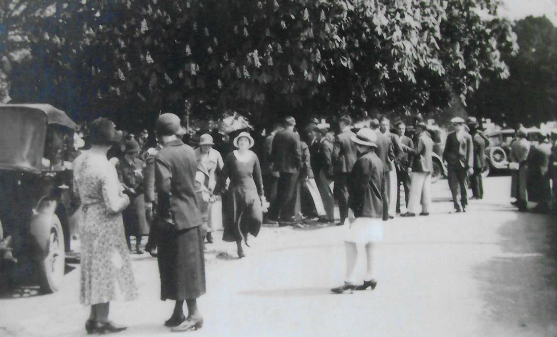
(39,228)
(435,157)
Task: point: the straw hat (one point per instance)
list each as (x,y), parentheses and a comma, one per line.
(366,137)
(246,135)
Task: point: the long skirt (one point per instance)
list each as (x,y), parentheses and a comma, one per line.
(241,214)
(135,220)
(181,263)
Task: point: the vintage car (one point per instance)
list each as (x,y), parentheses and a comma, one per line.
(498,150)
(36,151)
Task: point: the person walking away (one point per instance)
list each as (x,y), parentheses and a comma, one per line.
(366,184)
(343,157)
(324,172)
(212,161)
(130,174)
(459,155)
(385,152)
(480,142)
(242,211)
(385,128)
(519,154)
(538,165)
(105,262)
(403,165)
(422,169)
(270,175)
(287,160)
(180,250)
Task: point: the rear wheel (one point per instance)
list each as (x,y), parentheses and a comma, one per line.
(437,172)
(51,268)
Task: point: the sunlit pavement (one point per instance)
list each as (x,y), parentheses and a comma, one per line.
(488,272)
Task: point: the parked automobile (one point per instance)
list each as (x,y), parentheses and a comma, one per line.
(498,150)
(36,148)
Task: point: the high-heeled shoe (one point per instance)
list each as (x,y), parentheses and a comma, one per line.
(344,288)
(109,327)
(174,321)
(367,284)
(189,325)
(91,326)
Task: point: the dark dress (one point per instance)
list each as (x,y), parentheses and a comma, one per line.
(241,203)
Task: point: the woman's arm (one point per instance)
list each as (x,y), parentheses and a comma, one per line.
(114,200)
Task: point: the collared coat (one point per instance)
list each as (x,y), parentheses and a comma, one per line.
(385,150)
(479,150)
(287,152)
(323,159)
(423,155)
(344,152)
(366,187)
(213,164)
(459,151)
(175,168)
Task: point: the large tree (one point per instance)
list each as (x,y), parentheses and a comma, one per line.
(133,59)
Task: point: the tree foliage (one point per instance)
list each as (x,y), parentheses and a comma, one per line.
(262,58)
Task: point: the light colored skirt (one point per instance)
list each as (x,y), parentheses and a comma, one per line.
(365,230)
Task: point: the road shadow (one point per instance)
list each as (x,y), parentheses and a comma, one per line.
(519,286)
(289,292)
(21,281)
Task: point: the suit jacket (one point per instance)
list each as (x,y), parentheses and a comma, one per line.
(314,153)
(459,152)
(423,159)
(344,152)
(385,151)
(175,168)
(267,158)
(479,151)
(404,159)
(366,187)
(306,171)
(131,174)
(287,152)
(324,159)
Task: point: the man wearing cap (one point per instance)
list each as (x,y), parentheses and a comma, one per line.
(480,142)
(211,163)
(459,155)
(287,160)
(180,246)
(270,175)
(422,168)
(385,152)
(519,154)
(366,185)
(343,157)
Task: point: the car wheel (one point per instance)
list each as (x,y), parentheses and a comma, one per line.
(437,172)
(52,267)
(497,157)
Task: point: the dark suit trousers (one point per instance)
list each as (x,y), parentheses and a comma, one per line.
(385,195)
(284,206)
(403,178)
(476,182)
(270,185)
(458,186)
(341,193)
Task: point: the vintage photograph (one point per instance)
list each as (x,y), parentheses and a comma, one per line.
(278,168)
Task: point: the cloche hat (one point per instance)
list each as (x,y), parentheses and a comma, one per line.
(206,139)
(246,135)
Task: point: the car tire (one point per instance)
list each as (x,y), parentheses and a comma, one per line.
(52,267)
(497,156)
(437,172)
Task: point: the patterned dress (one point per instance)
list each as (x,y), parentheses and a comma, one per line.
(105,263)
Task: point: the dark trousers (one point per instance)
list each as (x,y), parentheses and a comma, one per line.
(476,182)
(458,186)
(270,185)
(284,206)
(403,178)
(385,194)
(341,193)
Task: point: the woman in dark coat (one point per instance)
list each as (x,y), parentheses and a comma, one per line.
(241,206)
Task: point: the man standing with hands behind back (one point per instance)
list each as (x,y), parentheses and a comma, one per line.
(343,157)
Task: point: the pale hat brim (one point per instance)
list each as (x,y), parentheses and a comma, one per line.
(207,143)
(359,141)
(246,135)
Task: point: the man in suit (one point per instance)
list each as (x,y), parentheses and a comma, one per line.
(287,160)
(323,170)
(422,168)
(520,148)
(385,128)
(538,166)
(343,157)
(402,164)
(270,176)
(459,155)
(385,152)
(480,142)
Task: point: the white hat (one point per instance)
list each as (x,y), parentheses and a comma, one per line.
(246,135)
(366,137)
(457,120)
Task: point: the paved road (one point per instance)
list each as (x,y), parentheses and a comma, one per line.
(489,272)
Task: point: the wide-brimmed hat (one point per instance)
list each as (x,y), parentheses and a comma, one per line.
(206,139)
(103,131)
(366,137)
(168,124)
(472,121)
(457,120)
(132,146)
(246,135)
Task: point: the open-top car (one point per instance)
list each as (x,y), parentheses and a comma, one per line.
(36,148)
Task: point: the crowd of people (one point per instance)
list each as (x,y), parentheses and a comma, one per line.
(180,196)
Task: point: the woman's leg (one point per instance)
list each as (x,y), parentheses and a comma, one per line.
(193,311)
(369,263)
(138,244)
(93,314)
(178,309)
(101,311)
(351,258)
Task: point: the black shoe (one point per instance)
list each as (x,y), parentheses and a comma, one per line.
(367,284)
(175,321)
(424,214)
(344,288)
(109,327)
(209,237)
(91,326)
(407,214)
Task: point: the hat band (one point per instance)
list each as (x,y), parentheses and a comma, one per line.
(364,139)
